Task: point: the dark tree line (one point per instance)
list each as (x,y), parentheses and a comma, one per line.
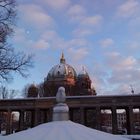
(10,61)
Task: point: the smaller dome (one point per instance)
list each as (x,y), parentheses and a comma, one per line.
(83,73)
(32,91)
(33,86)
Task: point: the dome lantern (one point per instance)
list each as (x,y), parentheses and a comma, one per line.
(62,60)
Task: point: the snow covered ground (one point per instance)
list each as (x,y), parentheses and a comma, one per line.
(61,130)
(136,137)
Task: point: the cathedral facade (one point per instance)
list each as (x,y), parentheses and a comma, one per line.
(64,75)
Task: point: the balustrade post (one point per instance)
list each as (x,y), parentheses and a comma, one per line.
(82,114)
(35,117)
(8,127)
(44,116)
(129,116)
(71,114)
(21,120)
(114,120)
(98,118)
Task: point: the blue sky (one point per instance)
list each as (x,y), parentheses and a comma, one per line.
(102,35)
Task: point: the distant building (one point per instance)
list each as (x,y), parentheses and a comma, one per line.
(107,119)
(121,121)
(64,75)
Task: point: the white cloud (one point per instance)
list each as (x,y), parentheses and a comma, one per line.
(41,44)
(107,42)
(76,13)
(134,45)
(57,4)
(57,42)
(54,39)
(117,62)
(81,32)
(87,26)
(34,16)
(113,54)
(77,42)
(78,54)
(84,24)
(20,35)
(98,75)
(129,62)
(92,20)
(124,71)
(50,35)
(128,9)
(116,74)
(133,27)
(123,78)
(122,89)
(23,37)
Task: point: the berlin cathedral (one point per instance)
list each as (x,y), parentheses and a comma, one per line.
(64,75)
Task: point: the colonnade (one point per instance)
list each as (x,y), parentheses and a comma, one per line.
(84,110)
(85,115)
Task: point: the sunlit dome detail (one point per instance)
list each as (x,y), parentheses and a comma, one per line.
(65,75)
(61,70)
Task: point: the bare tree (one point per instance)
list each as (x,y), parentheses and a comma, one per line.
(10,61)
(41,90)
(25,91)
(3,92)
(7,18)
(12,93)
(7,94)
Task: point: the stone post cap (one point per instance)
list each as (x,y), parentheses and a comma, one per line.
(61,95)
(61,109)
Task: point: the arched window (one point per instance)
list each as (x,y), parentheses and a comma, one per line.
(58,72)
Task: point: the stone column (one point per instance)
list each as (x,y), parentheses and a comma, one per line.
(21,120)
(82,115)
(44,117)
(47,118)
(129,116)
(49,114)
(1,115)
(35,117)
(98,118)
(71,114)
(114,120)
(8,127)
